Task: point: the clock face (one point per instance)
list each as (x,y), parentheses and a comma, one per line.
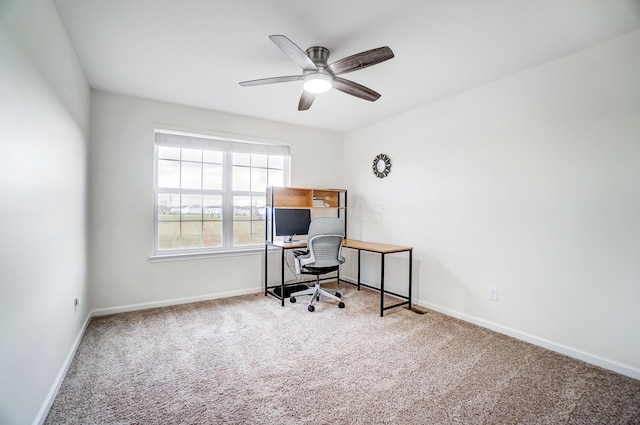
(381,166)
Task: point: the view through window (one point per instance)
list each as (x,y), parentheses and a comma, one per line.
(210,192)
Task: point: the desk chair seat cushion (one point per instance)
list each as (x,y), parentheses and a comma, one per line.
(319,270)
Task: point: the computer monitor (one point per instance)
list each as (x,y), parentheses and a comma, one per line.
(292,222)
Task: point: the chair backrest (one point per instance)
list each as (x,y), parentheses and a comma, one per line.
(324,243)
(324,251)
(325,226)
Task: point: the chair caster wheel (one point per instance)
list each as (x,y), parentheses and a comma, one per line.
(338,295)
(340,304)
(311,308)
(292,300)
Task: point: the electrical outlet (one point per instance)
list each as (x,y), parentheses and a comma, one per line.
(493,293)
(76,303)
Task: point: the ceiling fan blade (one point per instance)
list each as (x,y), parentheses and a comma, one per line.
(271,80)
(355,89)
(361,60)
(294,52)
(306,100)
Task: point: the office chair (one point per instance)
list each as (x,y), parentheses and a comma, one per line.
(323,255)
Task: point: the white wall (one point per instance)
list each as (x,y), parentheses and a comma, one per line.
(122,131)
(44,109)
(530,184)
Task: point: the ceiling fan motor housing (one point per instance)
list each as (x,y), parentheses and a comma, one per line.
(318,55)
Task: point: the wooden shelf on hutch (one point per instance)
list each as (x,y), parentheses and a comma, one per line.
(307,198)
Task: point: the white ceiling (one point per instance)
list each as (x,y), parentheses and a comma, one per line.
(194,52)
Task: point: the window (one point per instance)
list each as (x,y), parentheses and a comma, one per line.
(210,191)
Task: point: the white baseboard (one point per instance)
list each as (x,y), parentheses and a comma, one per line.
(53,391)
(541,342)
(575,353)
(176,301)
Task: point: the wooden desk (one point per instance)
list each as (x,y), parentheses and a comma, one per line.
(382,249)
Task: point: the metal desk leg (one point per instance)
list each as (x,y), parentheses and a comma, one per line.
(266,269)
(282,278)
(382,287)
(410,268)
(358,270)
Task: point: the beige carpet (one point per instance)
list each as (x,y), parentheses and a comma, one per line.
(247,360)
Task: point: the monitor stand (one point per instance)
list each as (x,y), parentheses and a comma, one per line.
(289,239)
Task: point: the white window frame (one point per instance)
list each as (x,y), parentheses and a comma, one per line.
(228,145)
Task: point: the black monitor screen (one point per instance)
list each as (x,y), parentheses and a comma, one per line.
(290,222)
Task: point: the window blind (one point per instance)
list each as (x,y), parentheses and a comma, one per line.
(184,140)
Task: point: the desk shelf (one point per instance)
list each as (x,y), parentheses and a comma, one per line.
(297,197)
(306,198)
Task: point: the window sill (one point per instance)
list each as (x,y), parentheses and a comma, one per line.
(161,258)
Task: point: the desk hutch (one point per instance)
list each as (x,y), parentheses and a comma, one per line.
(324,202)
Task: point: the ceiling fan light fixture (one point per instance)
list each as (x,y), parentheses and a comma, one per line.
(317,82)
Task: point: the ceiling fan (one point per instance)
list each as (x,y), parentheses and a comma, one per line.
(318,76)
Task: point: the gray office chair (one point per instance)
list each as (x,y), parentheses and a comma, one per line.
(323,255)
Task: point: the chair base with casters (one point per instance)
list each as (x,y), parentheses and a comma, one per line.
(316,291)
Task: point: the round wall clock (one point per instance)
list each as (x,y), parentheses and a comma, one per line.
(381,165)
